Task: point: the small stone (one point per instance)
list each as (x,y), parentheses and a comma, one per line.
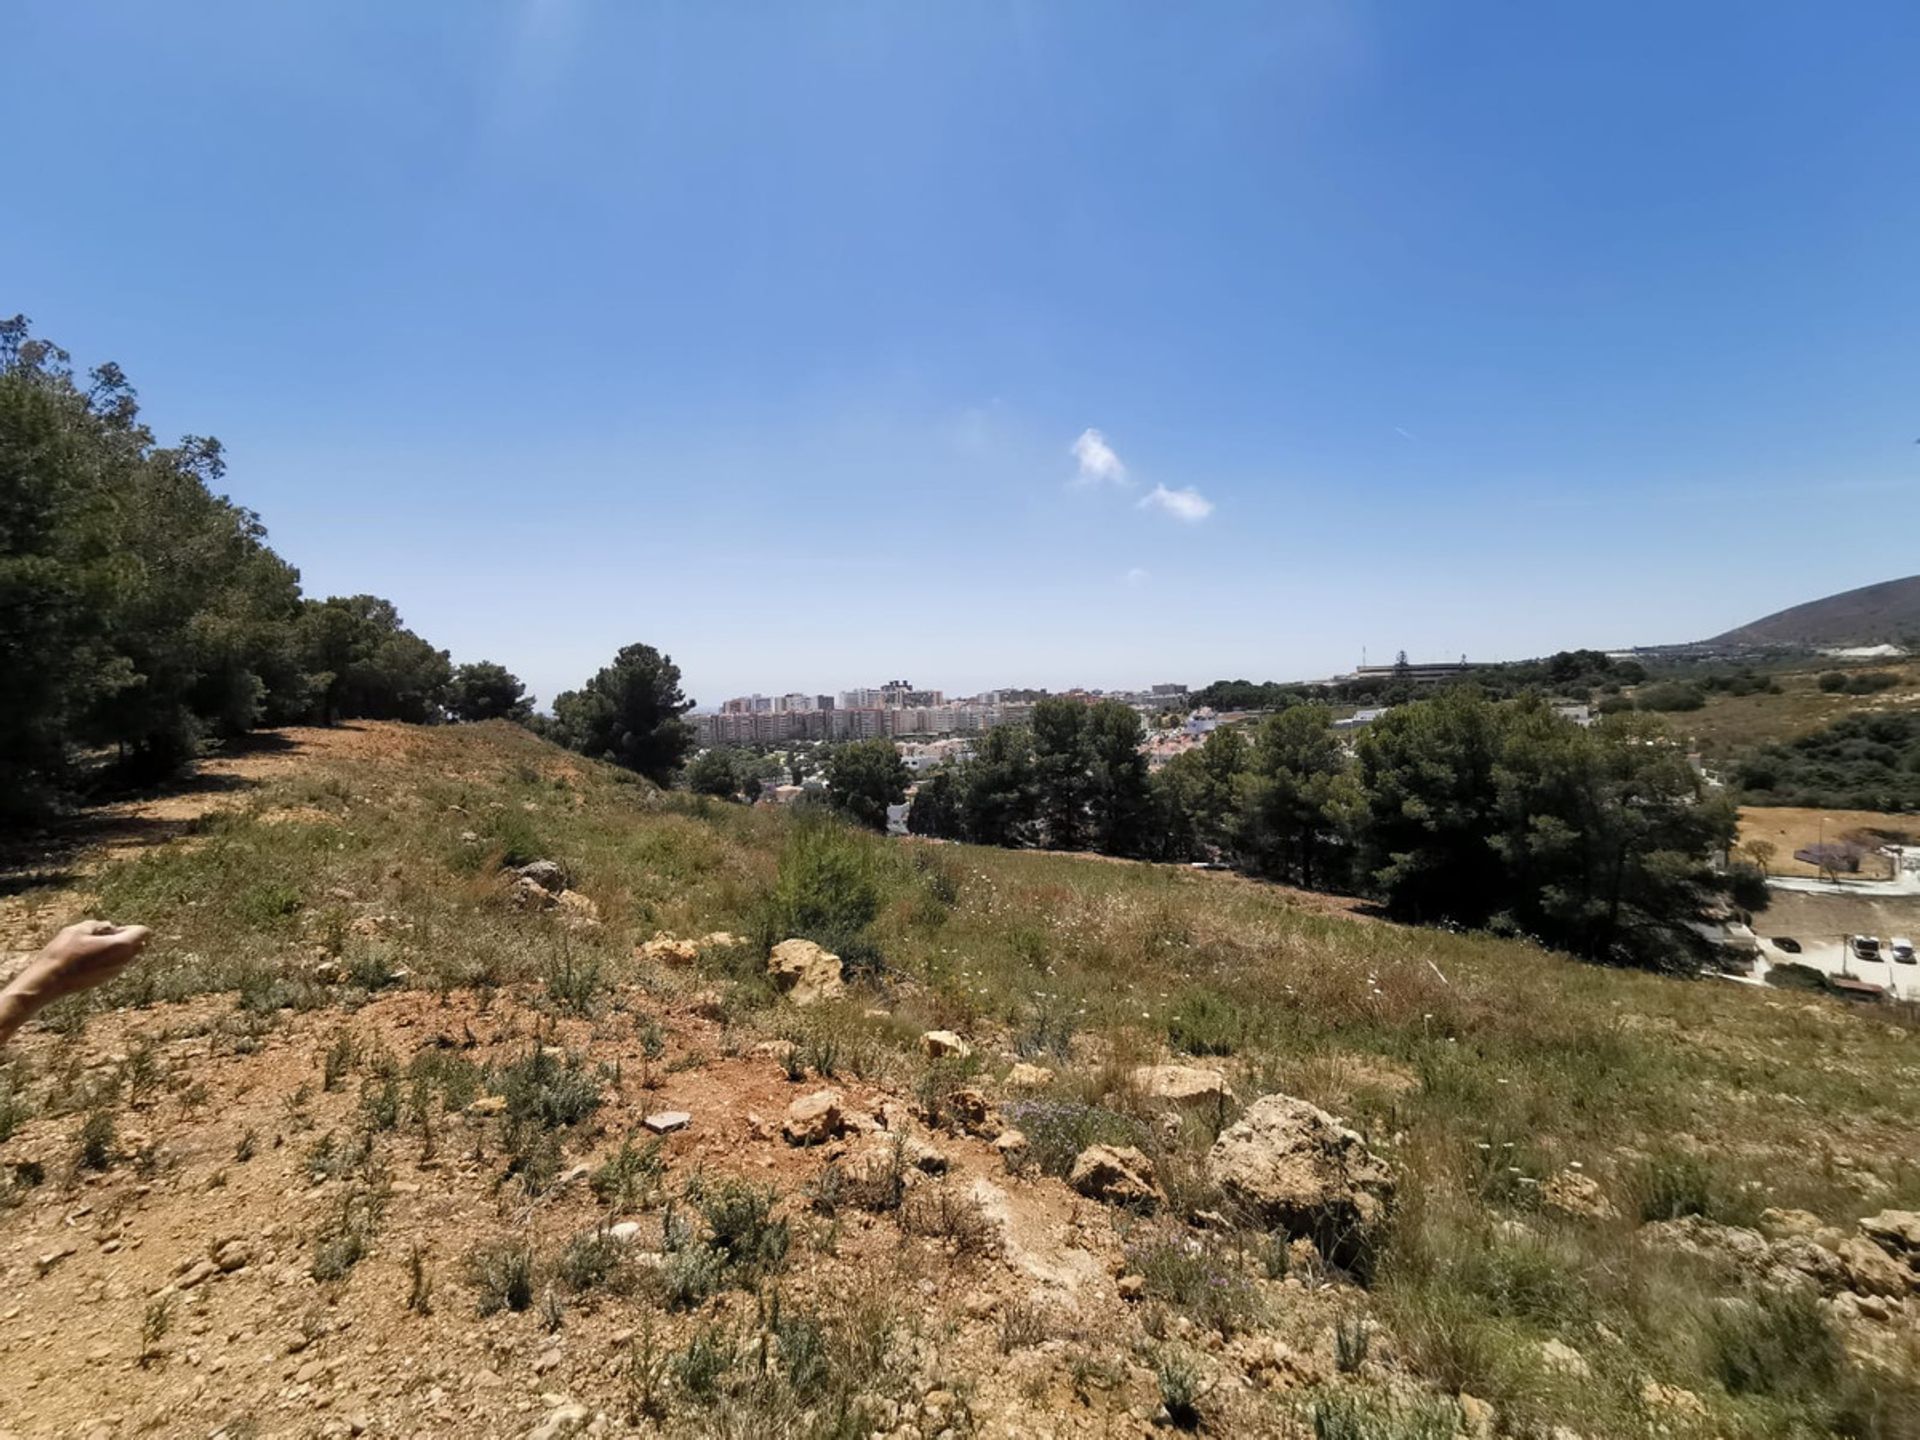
(1116,1175)
(199,1271)
(1657,1396)
(233,1255)
(54,1256)
(1012,1148)
(1477,1414)
(1029,1077)
(488,1105)
(815,1119)
(1559,1356)
(626,1232)
(549,1359)
(563,1420)
(665,1122)
(1577,1195)
(1132,1287)
(944,1044)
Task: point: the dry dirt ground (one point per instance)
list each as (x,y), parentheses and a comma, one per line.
(173,1293)
(1788,829)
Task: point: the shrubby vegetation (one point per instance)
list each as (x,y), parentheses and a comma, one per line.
(141,613)
(1863,761)
(1458,809)
(1567,674)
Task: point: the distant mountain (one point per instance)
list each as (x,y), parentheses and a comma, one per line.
(1872,615)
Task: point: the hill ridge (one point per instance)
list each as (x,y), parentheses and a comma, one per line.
(1866,615)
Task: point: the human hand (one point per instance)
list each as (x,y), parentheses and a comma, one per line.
(80,957)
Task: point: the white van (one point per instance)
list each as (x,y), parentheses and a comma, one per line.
(1866,947)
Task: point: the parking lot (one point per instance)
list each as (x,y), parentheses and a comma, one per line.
(1832,957)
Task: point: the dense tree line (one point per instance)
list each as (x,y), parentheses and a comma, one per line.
(1567,674)
(1869,760)
(141,613)
(1457,809)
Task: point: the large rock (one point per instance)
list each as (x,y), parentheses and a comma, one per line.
(1871,1271)
(1115,1174)
(805,972)
(815,1119)
(548,875)
(1196,1085)
(1298,1170)
(1895,1231)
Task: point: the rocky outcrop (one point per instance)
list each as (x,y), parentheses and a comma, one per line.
(1793,1263)
(1294,1168)
(805,973)
(1115,1175)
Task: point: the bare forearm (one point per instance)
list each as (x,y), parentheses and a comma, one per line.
(17,1005)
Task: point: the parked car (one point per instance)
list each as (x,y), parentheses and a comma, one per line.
(1786,943)
(1902,950)
(1866,947)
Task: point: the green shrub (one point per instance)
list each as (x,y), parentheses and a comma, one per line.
(827,891)
(630,1178)
(1777,1343)
(1670,696)
(503,1273)
(592,1260)
(1205,1022)
(704,1363)
(547,1091)
(1187,1272)
(1180,1391)
(1351,1415)
(1058,1130)
(740,1220)
(1674,1184)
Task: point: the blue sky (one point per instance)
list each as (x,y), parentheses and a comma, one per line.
(767,332)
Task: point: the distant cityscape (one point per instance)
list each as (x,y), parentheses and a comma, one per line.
(895,710)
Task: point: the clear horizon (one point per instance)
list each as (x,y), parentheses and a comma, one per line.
(1003,345)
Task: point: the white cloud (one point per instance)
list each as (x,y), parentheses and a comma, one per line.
(1187,504)
(1136,577)
(1098,463)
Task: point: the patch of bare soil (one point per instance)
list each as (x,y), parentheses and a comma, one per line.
(209,1213)
(1788,829)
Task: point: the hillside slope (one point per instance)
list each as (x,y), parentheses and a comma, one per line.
(1887,612)
(361,1147)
